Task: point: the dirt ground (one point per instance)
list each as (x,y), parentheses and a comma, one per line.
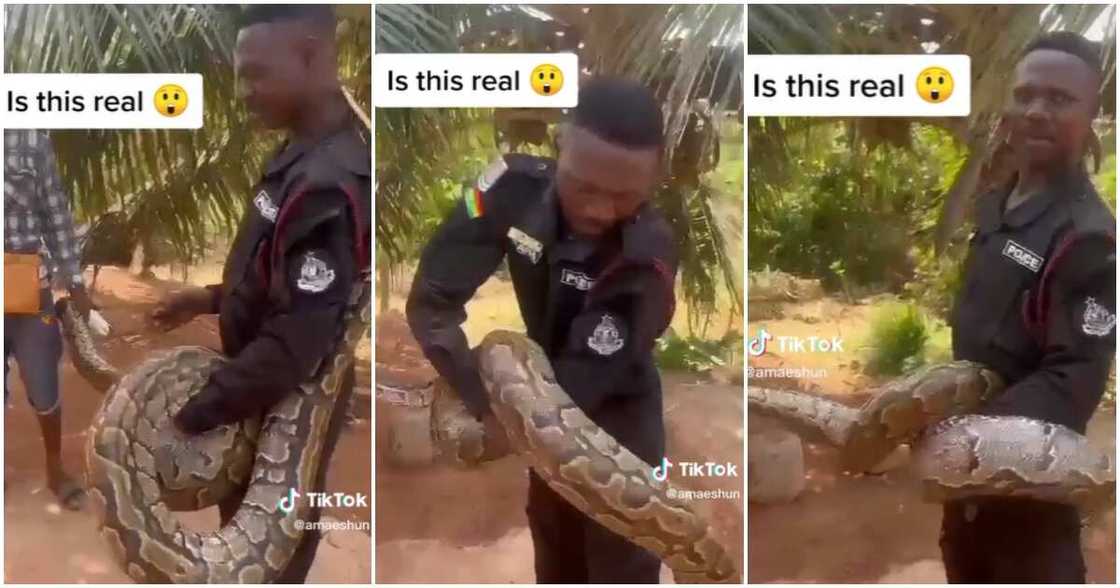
(44,544)
(860,529)
(438,524)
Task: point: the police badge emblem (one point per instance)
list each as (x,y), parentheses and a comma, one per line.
(1097,321)
(605,339)
(265,206)
(315,275)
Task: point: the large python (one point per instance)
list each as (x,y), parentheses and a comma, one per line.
(958,454)
(140,469)
(577,459)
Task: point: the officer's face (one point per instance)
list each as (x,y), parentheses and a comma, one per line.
(1053,101)
(272,73)
(600,183)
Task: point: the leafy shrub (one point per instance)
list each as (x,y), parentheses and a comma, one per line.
(897,343)
(693,354)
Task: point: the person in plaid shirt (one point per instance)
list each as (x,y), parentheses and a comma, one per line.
(37,220)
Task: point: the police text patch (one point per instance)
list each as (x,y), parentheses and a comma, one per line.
(577,280)
(1097,321)
(605,339)
(265,206)
(1022,256)
(315,274)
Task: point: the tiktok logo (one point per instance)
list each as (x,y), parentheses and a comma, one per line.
(661,472)
(288,503)
(757,345)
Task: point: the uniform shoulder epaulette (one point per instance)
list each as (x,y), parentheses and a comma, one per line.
(649,236)
(513,167)
(538,167)
(1089,214)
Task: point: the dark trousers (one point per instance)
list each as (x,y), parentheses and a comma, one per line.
(36,343)
(300,564)
(569,547)
(1011,541)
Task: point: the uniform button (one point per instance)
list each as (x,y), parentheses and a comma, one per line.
(542,166)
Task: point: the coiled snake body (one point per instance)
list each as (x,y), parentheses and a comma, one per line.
(578,460)
(140,468)
(958,454)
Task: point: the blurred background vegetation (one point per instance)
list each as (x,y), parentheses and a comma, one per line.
(691,55)
(172,192)
(883,205)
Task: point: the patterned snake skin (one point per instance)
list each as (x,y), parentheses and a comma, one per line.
(958,454)
(140,468)
(577,459)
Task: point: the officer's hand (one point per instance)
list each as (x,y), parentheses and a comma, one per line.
(198,415)
(79,297)
(180,307)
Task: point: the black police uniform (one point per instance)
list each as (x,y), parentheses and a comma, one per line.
(301,246)
(1038,306)
(596,309)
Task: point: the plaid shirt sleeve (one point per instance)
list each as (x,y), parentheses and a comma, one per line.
(54,213)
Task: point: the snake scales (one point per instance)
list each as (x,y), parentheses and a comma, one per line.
(577,459)
(140,468)
(958,454)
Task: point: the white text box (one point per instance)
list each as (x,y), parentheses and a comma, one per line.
(473,80)
(102,101)
(857,85)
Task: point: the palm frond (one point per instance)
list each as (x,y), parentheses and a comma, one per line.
(175,185)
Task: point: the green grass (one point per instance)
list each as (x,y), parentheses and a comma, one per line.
(898,338)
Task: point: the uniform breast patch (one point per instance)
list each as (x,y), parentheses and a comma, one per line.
(1022,256)
(577,280)
(265,206)
(605,339)
(525,245)
(1097,321)
(315,274)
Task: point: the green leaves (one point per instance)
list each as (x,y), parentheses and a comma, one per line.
(690,55)
(180,187)
(909,29)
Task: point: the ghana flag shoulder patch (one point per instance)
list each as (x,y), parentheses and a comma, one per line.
(473,196)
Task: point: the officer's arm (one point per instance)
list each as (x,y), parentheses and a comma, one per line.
(627,310)
(1080,340)
(320,273)
(462,255)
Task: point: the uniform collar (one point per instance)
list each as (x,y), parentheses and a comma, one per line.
(345,147)
(990,213)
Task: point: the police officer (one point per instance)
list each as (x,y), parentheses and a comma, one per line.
(302,244)
(1038,306)
(593,267)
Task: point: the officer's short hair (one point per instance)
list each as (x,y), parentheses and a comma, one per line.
(1070,43)
(319,14)
(620,111)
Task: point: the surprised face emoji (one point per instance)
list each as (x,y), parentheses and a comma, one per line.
(546,79)
(171,100)
(935,84)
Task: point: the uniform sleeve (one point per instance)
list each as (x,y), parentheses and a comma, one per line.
(1080,340)
(54,215)
(626,312)
(320,271)
(463,253)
